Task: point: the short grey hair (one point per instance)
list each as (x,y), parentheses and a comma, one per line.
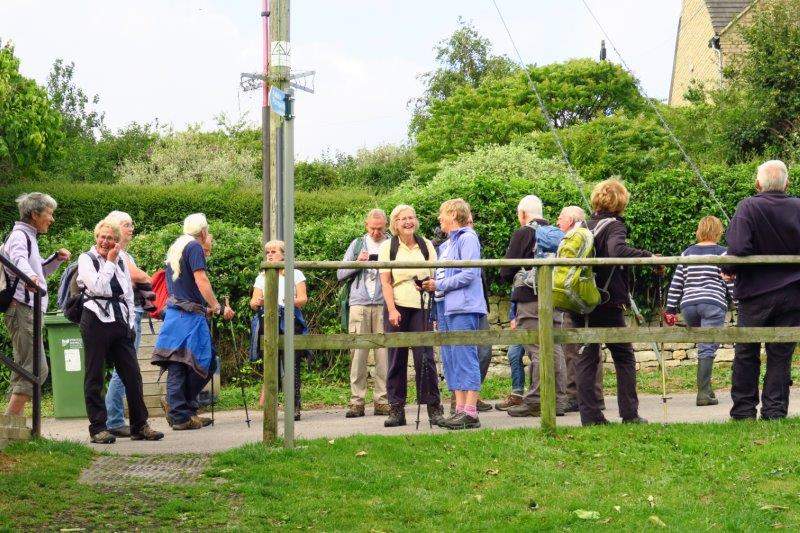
(576,212)
(120,216)
(34,202)
(377,213)
(531,205)
(773,175)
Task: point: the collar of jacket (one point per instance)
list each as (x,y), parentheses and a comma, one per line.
(600,215)
(460,231)
(27,228)
(781,194)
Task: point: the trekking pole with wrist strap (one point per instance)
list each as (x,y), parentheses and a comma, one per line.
(640,320)
(241,383)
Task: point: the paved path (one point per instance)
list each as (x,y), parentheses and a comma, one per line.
(231,431)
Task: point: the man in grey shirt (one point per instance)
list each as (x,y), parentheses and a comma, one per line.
(366,315)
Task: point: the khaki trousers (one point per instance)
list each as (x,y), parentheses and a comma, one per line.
(367,319)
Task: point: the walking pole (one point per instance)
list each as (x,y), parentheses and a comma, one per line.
(241,383)
(640,320)
(422,361)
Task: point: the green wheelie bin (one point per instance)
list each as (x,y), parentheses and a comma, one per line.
(66,366)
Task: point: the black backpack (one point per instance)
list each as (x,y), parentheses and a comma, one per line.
(7,289)
(394,245)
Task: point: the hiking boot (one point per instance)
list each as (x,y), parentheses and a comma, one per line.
(165,407)
(103,437)
(572,406)
(147,433)
(193,423)
(511,400)
(525,409)
(436,414)
(380,409)
(204,420)
(705,394)
(354,411)
(483,406)
(462,421)
(601,422)
(636,420)
(397,417)
(121,431)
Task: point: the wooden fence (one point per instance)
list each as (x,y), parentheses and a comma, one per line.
(546,336)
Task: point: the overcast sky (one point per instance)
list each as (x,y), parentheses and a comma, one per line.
(179,60)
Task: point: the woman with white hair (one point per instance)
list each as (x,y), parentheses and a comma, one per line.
(183,347)
(21,247)
(406,311)
(106,325)
(116,391)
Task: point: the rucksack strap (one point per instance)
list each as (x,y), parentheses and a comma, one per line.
(394,246)
(16,278)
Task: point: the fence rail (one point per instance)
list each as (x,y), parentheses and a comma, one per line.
(546,336)
(31,377)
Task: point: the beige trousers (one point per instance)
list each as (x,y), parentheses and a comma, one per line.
(367,319)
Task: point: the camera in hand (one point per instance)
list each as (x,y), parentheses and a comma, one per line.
(373,257)
(418,282)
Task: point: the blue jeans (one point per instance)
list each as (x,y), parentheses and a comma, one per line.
(116,390)
(706,316)
(515,353)
(183,387)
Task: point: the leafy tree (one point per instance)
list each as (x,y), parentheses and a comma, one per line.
(30,128)
(79,119)
(500,109)
(465,59)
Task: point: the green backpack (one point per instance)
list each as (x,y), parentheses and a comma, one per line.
(574,287)
(343,298)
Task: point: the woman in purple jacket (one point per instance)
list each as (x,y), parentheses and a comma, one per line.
(460,305)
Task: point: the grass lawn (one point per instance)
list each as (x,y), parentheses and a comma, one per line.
(733,476)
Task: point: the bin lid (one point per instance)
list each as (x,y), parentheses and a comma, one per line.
(56,318)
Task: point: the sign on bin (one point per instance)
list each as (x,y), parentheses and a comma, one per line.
(72,354)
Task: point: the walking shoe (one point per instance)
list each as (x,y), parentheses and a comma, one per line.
(511,400)
(462,421)
(380,409)
(635,420)
(397,417)
(192,423)
(206,421)
(483,406)
(601,422)
(436,414)
(121,431)
(354,411)
(525,410)
(147,433)
(103,437)
(165,407)
(572,406)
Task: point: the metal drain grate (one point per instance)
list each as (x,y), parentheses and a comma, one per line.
(116,470)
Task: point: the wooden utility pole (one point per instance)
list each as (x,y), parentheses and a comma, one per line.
(279,67)
(267,215)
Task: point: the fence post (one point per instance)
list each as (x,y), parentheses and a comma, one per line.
(547,384)
(270,387)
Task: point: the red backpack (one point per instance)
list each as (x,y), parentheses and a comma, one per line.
(159,282)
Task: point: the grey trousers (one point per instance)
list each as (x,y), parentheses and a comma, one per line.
(528,318)
(570,356)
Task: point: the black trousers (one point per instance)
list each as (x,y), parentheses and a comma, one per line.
(427,380)
(112,343)
(776,308)
(624,362)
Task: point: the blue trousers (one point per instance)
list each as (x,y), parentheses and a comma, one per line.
(706,316)
(461,369)
(116,390)
(183,387)
(515,353)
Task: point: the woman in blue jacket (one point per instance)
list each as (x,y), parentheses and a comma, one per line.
(460,305)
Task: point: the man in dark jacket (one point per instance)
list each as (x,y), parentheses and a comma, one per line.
(521,246)
(769,295)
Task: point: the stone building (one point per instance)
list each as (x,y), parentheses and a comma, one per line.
(709,38)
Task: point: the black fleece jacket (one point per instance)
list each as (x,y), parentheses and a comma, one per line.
(612,243)
(521,246)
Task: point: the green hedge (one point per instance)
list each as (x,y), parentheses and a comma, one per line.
(83,205)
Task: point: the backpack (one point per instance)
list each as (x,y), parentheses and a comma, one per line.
(574,287)
(7,289)
(343,298)
(545,244)
(159,282)
(394,246)
(72,296)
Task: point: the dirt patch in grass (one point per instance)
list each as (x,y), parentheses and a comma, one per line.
(6,462)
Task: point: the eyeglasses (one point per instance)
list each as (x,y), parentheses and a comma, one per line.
(128,225)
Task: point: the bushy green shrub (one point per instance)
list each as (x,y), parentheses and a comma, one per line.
(608,146)
(153,207)
(379,169)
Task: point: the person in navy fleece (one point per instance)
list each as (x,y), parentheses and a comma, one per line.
(767,223)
